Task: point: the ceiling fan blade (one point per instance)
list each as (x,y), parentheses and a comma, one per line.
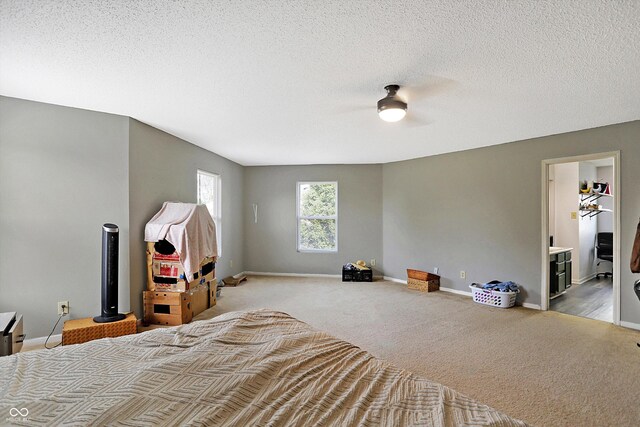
(413,120)
(409,93)
(346,109)
(433,86)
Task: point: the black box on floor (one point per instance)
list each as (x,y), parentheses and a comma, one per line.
(357,275)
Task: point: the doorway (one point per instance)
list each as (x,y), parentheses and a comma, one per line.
(580,236)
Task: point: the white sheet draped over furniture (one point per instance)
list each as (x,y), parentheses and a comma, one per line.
(189,228)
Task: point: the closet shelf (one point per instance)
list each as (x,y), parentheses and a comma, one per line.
(592,212)
(592,197)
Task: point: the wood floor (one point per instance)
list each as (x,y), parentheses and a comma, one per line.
(592,299)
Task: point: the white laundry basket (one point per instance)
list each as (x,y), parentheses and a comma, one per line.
(494,298)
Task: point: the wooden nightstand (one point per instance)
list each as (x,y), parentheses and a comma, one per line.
(82,330)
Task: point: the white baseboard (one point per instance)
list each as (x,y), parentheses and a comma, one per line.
(264,273)
(630,325)
(586,279)
(33,342)
(457,292)
(531,306)
(453,291)
(463,293)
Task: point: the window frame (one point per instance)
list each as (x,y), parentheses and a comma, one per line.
(217,219)
(299,217)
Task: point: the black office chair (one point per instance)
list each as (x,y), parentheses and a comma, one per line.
(604,251)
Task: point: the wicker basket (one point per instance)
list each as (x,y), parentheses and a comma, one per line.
(422,280)
(423,285)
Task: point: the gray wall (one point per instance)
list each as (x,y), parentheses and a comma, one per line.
(63,173)
(163,168)
(480,210)
(270,245)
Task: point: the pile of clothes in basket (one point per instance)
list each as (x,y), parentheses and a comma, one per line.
(495,293)
(497,285)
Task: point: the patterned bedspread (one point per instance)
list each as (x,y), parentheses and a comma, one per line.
(259,368)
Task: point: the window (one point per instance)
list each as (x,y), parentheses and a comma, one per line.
(210,194)
(318,216)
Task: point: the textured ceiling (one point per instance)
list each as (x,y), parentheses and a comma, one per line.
(296,82)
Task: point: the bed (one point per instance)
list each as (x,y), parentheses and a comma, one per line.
(243,369)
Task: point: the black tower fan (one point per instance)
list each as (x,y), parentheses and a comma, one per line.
(110,243)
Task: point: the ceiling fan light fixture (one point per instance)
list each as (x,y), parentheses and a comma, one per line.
(391,108)
(392,114)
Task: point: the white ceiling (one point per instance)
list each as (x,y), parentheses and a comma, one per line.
(296,82)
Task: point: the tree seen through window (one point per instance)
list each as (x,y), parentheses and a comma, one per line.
(317,216)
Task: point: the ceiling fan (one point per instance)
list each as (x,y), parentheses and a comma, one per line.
(392,108)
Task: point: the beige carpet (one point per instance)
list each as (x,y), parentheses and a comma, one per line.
(546,368)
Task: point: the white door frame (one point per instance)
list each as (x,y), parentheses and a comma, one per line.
(544,250)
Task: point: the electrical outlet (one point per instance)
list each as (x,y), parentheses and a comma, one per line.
(63,308)
(463,274)
(435,270)
(230,263)
(373,262)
